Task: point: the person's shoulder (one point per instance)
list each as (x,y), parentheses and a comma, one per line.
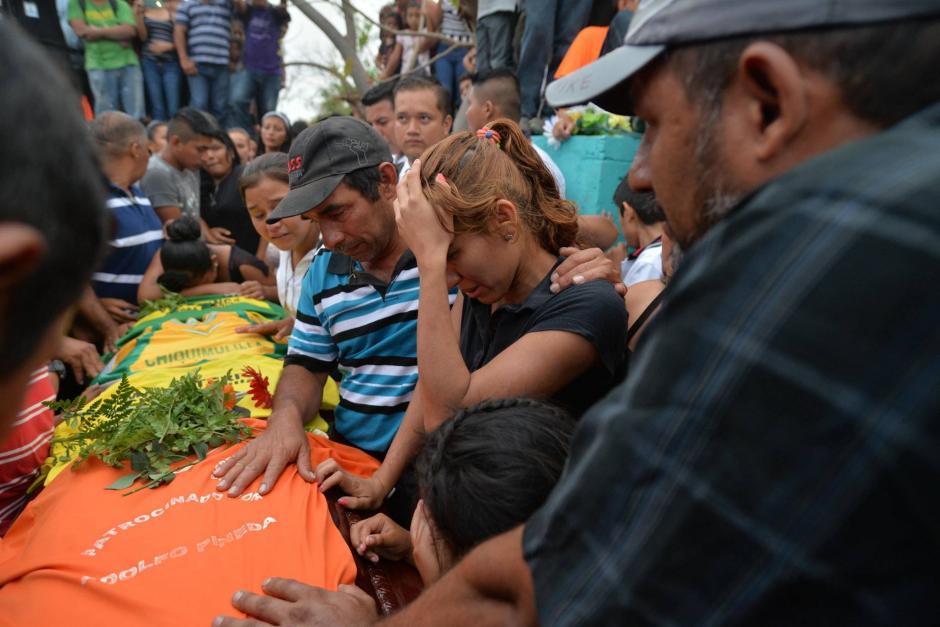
(158,171)
(597,293)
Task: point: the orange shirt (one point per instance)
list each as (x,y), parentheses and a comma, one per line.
(586,48)
(80,554)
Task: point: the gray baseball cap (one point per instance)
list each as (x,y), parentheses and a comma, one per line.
(660,24)
(321,156)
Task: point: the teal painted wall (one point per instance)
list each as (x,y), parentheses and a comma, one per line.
(593,166)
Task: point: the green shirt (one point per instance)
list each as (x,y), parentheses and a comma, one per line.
(105,54)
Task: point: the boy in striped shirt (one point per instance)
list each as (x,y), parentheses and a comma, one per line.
(203,35)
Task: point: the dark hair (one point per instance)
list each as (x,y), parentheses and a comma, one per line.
(861,60)
(379,92)
(298,127)
(490,467)
(502,88)
(414,82)
(60,194)
(365,181)
(272,165)
(222,135)
(189,122)
(390,10)
(644,203)
(152,128)
(184,255)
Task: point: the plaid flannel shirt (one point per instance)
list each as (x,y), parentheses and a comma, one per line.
(773,458)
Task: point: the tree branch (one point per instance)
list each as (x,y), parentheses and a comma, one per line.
(418,33)
(427,63)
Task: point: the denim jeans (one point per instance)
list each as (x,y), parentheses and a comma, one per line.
(248,85)
(121,89)
(494,41)
(448,70)
(208,90)
(550,27)
(162,81)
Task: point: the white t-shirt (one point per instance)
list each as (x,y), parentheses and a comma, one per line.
(648,265)
(290,279)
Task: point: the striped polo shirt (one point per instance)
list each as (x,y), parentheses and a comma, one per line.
(209,29)
(349,320)
(138,234)
(24,449)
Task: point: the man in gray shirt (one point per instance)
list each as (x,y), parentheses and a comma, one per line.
(172,179)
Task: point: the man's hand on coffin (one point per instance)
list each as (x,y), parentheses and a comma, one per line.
(288,603)
(283,442)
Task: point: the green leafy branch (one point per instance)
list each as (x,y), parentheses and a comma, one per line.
(152,428)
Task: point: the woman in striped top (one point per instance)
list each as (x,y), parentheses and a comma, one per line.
(162,73)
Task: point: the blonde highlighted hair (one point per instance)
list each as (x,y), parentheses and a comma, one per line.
(482,170)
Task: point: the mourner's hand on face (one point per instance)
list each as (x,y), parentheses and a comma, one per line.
(427,231)
(581,266)
(289,603)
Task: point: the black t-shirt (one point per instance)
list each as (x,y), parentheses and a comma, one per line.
(224,207)
(592,310)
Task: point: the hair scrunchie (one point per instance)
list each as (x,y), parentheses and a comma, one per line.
(488,133)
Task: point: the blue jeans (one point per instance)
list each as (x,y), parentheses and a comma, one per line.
(118,90)
(248,85)
(208,90)
(549,30)
(448,70)
(162,80)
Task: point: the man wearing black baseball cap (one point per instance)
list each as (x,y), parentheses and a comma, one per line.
(771,458)
(357,311)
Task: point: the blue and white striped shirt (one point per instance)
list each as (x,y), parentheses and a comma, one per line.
(138,234)
(349,320)
(209,29)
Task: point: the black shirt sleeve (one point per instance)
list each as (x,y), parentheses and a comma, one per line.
(592,310)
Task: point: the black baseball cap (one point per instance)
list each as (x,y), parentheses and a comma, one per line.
(322,155)
(661,24)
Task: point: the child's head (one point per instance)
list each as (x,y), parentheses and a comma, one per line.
(390,19)
(503,200)
(263,185)
(156,136)
(636,209)
(186,258)
(484,472)
(413,15)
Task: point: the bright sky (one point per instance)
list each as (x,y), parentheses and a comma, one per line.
(305,42)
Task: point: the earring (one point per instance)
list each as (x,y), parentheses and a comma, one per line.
(508,237)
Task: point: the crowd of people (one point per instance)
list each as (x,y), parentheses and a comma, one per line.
(732,419)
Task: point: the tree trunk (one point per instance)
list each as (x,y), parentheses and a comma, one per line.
(345,43)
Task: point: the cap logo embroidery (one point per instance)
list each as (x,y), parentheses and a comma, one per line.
(356,146)
(295,164)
